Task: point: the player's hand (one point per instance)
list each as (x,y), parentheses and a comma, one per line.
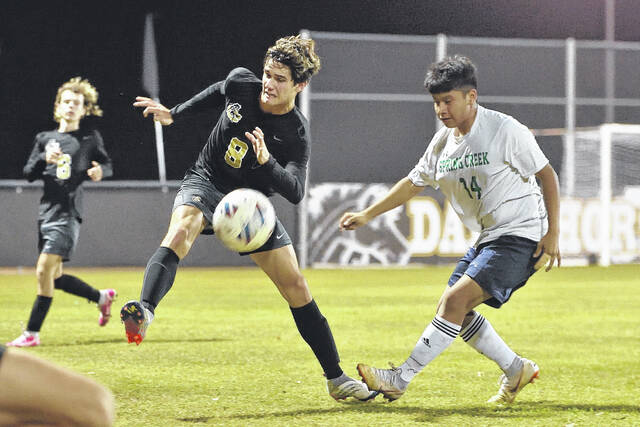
(548,246)
(257,140)
(160,113)
(95,172)
(52,156)
(352,220)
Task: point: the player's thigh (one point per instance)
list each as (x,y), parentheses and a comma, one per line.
(281,265)
(458,272)
(463,296)
(187,222)
(199,193)
(49,263)
(29,385)
(187,216)
(48,268)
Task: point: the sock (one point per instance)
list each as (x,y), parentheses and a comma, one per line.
(314,328)
(343,378)
(38,313)
(436,337)
(103,297)
(158,277)
(75,286)
(480,335)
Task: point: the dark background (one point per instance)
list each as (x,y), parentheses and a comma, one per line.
(44,44)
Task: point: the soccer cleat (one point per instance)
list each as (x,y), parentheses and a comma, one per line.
(105,307)
(510,387)
(350,388)
(27,339)
(385,381)
(136,319)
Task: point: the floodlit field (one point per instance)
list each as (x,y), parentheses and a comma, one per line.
(224,349)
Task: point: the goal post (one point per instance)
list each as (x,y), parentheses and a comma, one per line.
(600,182)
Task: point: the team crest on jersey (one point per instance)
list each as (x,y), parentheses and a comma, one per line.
(233,112)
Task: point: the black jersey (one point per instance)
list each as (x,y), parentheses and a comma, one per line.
(228,159)
(62,182)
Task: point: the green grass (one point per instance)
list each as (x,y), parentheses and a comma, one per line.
(224,349)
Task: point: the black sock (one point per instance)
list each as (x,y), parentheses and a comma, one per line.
(158,277)
(75,286)
(314,328)
(38,313)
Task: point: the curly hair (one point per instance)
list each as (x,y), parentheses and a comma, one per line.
(296,53)
(83,87)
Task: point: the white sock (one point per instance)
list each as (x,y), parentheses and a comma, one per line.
(480,335)
(103,297)
(150,315)
(436,337)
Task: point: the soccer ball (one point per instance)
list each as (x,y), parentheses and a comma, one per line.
(244,220)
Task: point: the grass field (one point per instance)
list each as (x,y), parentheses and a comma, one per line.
(224,350)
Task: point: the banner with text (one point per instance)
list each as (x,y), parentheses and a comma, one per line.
(427,230)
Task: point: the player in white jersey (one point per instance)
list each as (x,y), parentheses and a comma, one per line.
(486,163)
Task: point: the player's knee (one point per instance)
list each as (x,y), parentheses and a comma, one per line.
(295,285)
(453,303)
(299,282)
(177,238)
(44,271)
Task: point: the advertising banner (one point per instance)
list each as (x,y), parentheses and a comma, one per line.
(427,230)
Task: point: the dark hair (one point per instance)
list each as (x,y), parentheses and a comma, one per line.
(296,53)
(457,72)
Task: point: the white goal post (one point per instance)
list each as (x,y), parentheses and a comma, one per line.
(603,164)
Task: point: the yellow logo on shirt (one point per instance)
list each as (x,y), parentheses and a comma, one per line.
(233,112)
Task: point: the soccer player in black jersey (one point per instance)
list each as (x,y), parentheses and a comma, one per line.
(64,158)
(261,141)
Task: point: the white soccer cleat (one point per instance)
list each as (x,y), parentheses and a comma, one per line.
(385,381)
(350,388)
(510,387)
(27,339)
(105,307)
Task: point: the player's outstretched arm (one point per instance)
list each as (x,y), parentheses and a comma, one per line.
(549,245)
(160,113)
(402,191)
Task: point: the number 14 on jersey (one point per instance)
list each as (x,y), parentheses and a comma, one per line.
(474,187)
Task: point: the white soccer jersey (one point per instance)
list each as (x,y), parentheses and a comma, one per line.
(488,176)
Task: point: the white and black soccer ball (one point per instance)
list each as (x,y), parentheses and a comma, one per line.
(244,220)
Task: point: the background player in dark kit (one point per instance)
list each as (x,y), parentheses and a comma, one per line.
(260,141)
(64,158)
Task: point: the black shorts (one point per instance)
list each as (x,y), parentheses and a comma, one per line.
(2,349)
(59,237)
(203,194)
